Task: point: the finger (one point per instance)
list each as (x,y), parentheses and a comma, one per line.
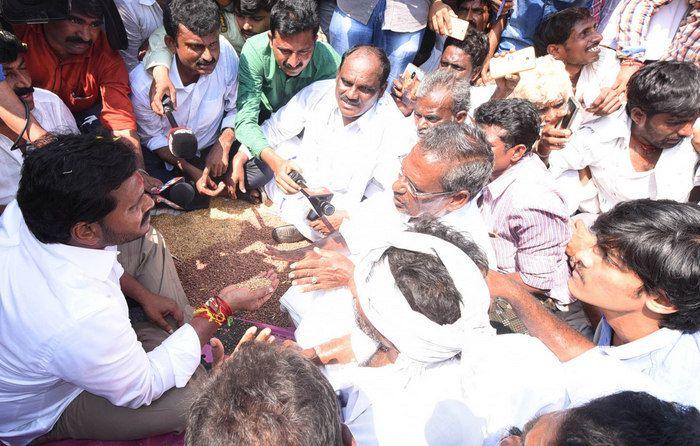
(178,314)
(310,280)
(162,323)
(263,335)
(305,264)
(217,351)
(248,336)
(241,183)
(173,95)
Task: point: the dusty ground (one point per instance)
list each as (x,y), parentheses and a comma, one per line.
(222,245)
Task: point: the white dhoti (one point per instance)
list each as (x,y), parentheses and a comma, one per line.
(319,315)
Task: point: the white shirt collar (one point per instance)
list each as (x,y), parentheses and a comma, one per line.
(641,347)
(95,263)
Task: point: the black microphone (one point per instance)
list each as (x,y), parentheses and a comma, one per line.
(181,140)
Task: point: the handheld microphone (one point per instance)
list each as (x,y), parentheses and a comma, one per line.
(181,141)
(180,195)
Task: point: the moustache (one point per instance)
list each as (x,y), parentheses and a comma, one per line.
(205,63)
(76,39)
(23,91)
(349,101)
(292,68)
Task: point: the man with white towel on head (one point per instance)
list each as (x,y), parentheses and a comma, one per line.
(414,297)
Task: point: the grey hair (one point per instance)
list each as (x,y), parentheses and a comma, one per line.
(464,145)
(456,87)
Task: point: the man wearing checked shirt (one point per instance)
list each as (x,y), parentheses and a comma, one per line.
(275,66)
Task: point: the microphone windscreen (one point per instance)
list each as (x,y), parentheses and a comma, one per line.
(182,194)
(182,143)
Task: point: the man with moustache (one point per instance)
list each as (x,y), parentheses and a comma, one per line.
(47,108)
(348,128)
(647,152)
(74,365)
(274,67)
(72,58)
(204,70)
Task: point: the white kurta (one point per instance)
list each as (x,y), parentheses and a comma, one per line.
(603,145)
(342,158)
(65,328)
(206,106)
(53,116)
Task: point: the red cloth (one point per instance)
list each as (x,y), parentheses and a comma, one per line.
(81,81)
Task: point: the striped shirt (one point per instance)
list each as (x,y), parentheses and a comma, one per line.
(529,226)
(635,22)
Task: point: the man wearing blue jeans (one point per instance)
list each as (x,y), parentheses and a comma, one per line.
(395,26)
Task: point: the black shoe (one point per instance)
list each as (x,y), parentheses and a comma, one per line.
(287,234)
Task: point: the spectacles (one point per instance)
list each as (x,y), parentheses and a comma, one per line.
(420,195)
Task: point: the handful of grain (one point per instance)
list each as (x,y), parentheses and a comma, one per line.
(256,282)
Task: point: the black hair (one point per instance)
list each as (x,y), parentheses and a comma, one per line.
(469,151)
(517,117)
(423,279)
(10,47)
(384,65)
(69,180)
(555,29)
(251,7)
(474,44)
(290,17)
(199,16)
(89,8)
(665,87)
(265,394)
(630,419)
(659,241)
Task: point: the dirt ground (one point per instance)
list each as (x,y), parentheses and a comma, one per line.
(224,245)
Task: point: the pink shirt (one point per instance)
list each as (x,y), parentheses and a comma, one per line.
(529,226)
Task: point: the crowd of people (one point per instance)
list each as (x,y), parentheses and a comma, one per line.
(503,236)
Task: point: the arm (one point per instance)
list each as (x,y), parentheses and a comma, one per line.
(12,114)
(562,340)
(158,53)
(250,80)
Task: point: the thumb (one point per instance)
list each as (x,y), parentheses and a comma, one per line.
(217,351)
(173,95)
(294,166)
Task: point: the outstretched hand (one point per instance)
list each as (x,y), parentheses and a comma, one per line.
(322,270)
(250,300)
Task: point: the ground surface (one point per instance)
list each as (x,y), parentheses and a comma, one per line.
(222,245)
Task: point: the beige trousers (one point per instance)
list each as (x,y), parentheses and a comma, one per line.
(92,417)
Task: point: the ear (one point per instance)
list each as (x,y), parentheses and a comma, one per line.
(517,153)
(86,234)
(461,116)
(170,43)
(557,51)
(660,304)
(458,200)
(638,116)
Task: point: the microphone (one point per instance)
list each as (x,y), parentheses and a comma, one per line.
(180,195)
(181,141)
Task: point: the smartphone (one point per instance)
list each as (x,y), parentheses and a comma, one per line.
(411,78)
(521,60)
(568,120)
(170,183)
(458,28)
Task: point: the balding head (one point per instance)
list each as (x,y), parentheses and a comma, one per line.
(361,80)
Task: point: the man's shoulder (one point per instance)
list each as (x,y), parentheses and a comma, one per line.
(45,98)
(140,80)
(52,113)
(256,44)
(324,55)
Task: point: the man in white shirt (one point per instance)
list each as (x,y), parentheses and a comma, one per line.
(348,127)
(47,108)
(439,179)
(140,18)
(204,71)
(570,36)
(406,390)
(639,269)
(73,366)
(647,153)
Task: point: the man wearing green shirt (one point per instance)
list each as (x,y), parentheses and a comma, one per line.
(274,67)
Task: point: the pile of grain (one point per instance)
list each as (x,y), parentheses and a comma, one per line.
(224,245)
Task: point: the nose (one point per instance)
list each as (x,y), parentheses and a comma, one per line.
(23,79)
(597,37)
(84,32)
(352,93)
(399,186)
(148,203)
(246,25)
(206,55)
(293,60)
(584,257)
